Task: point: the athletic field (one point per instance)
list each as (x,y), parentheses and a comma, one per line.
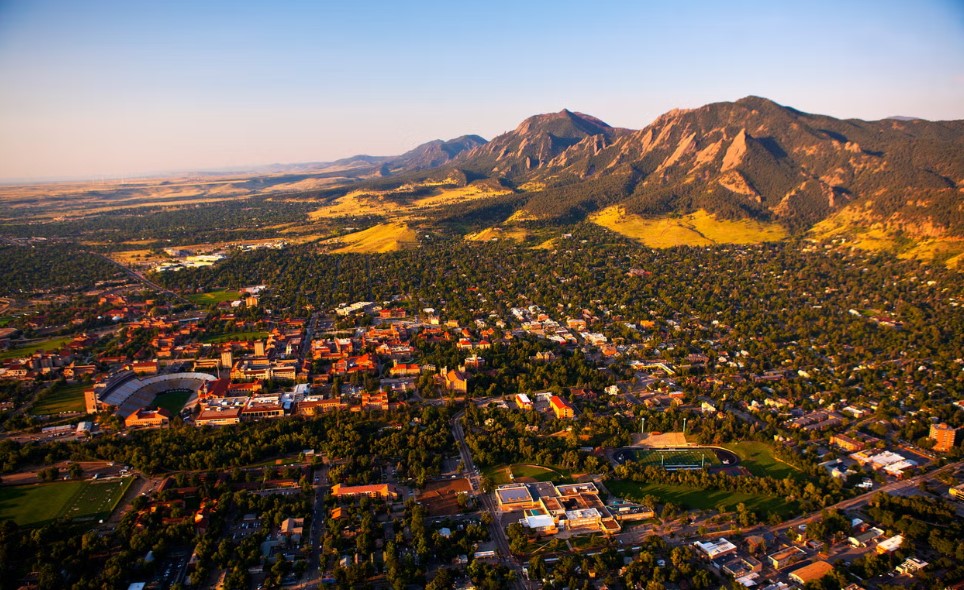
(671,459)
(35,505)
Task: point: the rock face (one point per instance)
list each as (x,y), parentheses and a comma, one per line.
(749,158)
(542,142)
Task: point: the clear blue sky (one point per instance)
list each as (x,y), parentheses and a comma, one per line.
(129,87)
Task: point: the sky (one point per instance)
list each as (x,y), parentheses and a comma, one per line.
(113,89)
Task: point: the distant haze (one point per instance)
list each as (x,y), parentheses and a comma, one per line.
(127,88)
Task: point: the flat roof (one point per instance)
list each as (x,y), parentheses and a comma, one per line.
(582,513)
(510,494)
(540,521)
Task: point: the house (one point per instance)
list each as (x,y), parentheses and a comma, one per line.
(145,418)
(561,408)
(811,573)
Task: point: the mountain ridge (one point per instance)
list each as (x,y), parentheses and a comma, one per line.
(747,158)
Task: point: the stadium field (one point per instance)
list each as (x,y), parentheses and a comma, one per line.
(671,459)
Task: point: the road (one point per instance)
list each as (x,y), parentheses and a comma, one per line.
(312,576)
(488,502)
(864,498)
(137,276)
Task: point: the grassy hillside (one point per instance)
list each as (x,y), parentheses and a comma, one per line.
(864,229)
(385,237)
(694,229)
(498,233)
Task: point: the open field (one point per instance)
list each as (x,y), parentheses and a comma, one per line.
(694,229)
(172,401)
(214,297)
(29,349)
(138,256)
(386,237)
(231,336)
(758,458)
(38,504)
(64,398)
(698,498)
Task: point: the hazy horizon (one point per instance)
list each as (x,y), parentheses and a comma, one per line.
(115,90)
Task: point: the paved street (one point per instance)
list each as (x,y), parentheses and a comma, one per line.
(488,502)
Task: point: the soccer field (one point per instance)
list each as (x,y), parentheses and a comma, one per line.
(676,458)
(39,504)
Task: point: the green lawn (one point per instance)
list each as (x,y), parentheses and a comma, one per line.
(172,401)
(64,398)
(500,473)
(38,504)
(214,297)
(220,338)
(700,499)
(539,473)
(27,350)
(758,458)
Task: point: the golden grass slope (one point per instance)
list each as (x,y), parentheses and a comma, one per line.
(498,233)
(355,203)
(460,194)
(368,202)
(694,229)
(386,237)
(857,228)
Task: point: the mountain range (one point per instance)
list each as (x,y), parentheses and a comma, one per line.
(751,158)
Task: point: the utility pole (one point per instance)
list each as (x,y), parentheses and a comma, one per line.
(642,428)
(684,427)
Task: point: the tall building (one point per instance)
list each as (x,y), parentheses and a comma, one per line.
(945,437)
